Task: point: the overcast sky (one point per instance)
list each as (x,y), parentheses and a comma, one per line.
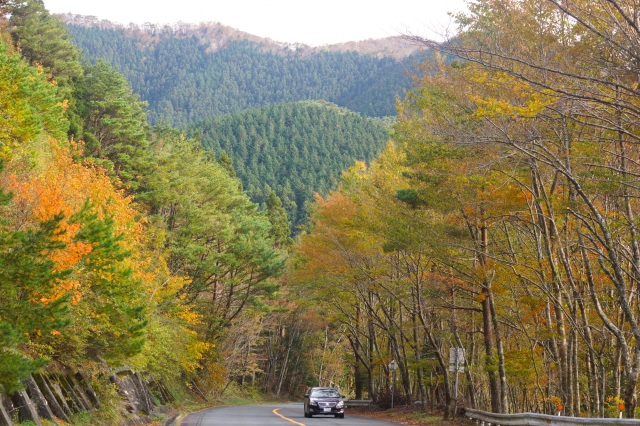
(313,22)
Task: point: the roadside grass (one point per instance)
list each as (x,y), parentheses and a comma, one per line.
(408,416)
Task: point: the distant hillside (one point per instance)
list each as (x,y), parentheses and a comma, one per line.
(295,149)
(216,35)
(188,73)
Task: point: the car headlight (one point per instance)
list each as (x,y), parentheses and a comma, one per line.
(340,404)
(313,402)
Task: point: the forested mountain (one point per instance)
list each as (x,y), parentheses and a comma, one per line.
(189,74)
(295,149)
(224,85)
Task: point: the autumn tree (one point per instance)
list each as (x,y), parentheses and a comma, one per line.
(28,281)
(30,277)
(572,125)
(369,259)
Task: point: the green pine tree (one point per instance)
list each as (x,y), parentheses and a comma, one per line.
(113,304)
(115,126)
(27,278)
(280,227)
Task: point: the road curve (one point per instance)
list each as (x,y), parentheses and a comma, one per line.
(272,415)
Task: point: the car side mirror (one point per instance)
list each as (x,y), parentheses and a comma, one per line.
(342,396)
(306,395)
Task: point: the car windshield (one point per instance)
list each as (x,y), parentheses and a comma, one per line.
(325,393)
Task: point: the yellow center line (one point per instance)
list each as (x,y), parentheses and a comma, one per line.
(286,418)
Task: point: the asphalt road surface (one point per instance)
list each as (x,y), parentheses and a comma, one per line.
(272,415)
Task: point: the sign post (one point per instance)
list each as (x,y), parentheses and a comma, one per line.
(393,365)
(621,408)
(456,364)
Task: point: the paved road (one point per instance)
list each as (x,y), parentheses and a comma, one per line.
(272,415)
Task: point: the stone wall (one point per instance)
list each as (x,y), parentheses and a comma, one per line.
(57,396)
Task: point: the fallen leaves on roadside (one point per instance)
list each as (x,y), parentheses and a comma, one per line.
(409,416)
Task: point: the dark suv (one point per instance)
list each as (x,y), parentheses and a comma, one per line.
(325,401)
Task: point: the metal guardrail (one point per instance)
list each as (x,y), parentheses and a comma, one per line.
(358,402)
(534,419)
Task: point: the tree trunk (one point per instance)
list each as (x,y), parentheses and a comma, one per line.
(487,323)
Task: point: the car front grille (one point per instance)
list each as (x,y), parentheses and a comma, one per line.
(326,404)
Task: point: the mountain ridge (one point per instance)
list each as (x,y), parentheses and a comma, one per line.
(187,73)
(217,35)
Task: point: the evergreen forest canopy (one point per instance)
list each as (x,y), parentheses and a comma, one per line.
(185,79)
(294,149)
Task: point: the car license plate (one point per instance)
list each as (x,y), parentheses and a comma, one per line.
(327,409)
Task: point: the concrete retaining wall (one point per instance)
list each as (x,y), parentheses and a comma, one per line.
(54,396)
